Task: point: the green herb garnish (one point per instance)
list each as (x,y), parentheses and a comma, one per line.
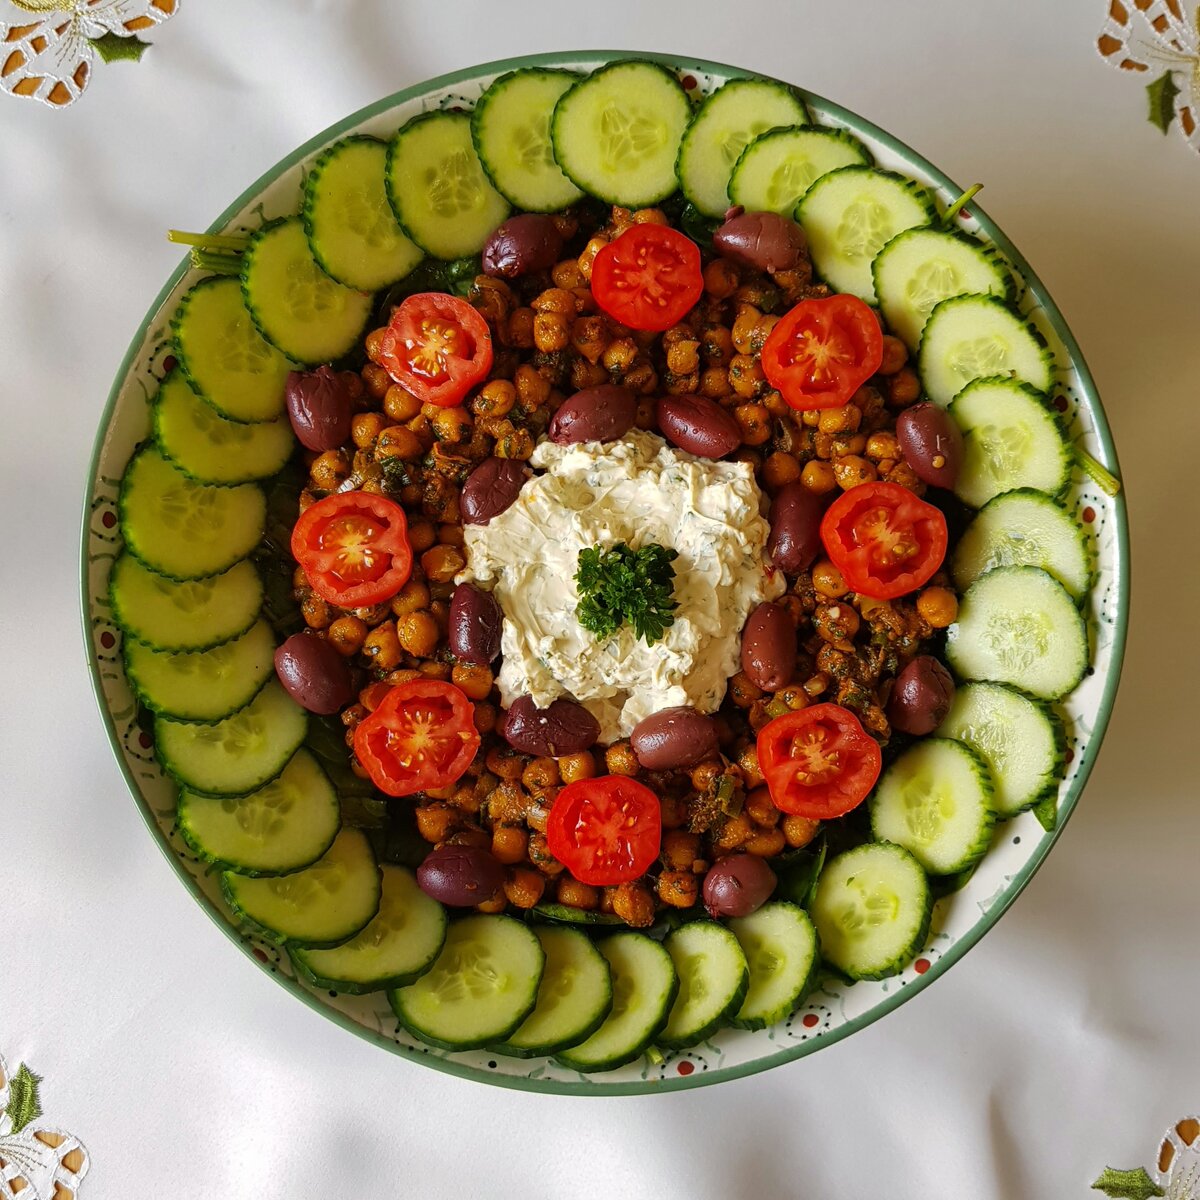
(621,584)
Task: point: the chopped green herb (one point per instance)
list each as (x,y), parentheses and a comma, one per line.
(623,585)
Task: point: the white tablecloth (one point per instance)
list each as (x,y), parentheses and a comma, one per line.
(1064,1042)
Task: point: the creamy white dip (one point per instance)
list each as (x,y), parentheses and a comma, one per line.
(638,490)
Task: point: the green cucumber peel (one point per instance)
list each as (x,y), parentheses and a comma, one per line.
(1104,479)
(961,203)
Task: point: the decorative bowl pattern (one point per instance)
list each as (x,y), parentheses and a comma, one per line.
(836,1009)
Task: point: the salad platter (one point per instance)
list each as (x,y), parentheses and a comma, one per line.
(604,573)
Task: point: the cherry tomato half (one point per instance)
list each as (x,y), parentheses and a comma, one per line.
(421,736)
(822,351)
(606,830)
(354,548)
(885,541)
(818,762)
(649,278)
(437,347)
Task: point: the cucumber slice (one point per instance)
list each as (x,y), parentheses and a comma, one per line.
(871,909)
(236,755)
(323,905)
(724,125)
(1025,528)
(224,357)
(397,947)
(779,166)
(935,800)
(920,268)
(511,131)
(202,685)
(1011,439)
(437,186)
(1019,625)
(780,945)
(573,999)
(285,825)
(850,214)
(644,987)
(1022,742)
(351,229)
(713,978)
(972,337)
(190,615)
(616,133)
(297,307)
(482,986)
(184,529)
(211,448)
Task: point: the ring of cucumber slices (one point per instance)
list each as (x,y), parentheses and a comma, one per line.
(197,649)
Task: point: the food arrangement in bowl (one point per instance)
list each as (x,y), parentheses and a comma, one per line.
(607,558)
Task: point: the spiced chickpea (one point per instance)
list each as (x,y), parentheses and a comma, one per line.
(347,634)
(799,831)
(442,563)
(524,888)
(938,606)
(573,767)
(903,388)
(634,904)
(398,441)
(674,811)
(417,633)
(451,424)
(533,389)
(760,809)
(620,759)
(373,343)
(780,469)
(400,405)
(679,889)
(577,895)
(315,612)
(421,535)
(330,470)
(818,477)
(520,328)
(376,381)
(540,856)
(680,849)
(828,580)
(895,355)
(843,419)
(509,844)
(435,822)
(540,774)
(720,279)
(742,692)
(733,833)
(382,647)
(486,716)
(365,428)
(765,843)
(746,377)
(747,761)
(475,681)
(852,471)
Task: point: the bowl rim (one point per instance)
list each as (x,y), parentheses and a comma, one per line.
(1019,881)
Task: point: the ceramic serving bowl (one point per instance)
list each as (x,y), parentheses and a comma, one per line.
(835,1009)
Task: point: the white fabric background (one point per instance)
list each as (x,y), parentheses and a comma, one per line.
(1065,1041)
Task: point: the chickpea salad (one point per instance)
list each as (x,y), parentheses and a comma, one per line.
(602,563)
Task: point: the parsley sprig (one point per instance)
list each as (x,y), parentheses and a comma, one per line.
(620,585)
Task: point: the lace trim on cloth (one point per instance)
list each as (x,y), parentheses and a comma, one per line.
(1176,1169)
(1160,40)
(37,1161)
(48,47)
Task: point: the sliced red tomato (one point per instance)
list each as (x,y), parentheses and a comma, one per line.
(606,830)
(354,548)
(818,762)
(649,278)
(822,351)
(421,736)
(437,347)
(885,541)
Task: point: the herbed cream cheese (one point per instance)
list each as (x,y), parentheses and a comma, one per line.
(638,490)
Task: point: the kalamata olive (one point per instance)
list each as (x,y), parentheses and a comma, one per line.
(769,647)
(698,425)
(530,242)
(314,674)
(921,696)
(737,886)
(461,876)
(597,414)
(563,727)
(763,241)
(475,625)
(795,539)
(320,407)
(674,737)
(491,488)
(931,442)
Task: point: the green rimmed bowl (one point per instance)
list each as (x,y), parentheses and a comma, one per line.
(836,1009)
